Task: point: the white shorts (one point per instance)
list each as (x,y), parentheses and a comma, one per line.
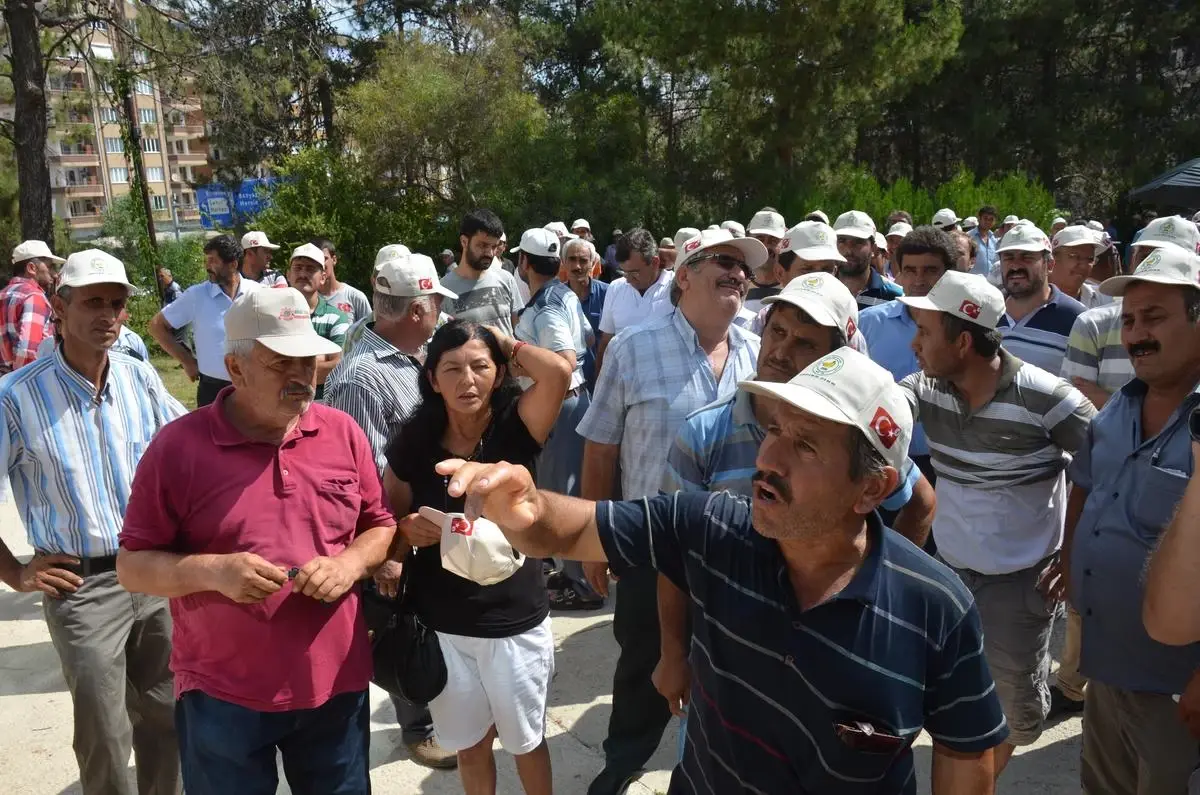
(495,681)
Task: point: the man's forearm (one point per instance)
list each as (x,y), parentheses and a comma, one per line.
(159,573)
(599,476)
(601,347)
(915,519)
(164,335)
(369,550)
(10,567)
(957,773)
(672,618)
(565,527)
(1173,580)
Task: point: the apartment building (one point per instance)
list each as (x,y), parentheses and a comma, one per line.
(86,153)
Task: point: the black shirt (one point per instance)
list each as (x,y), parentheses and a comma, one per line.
(445,601)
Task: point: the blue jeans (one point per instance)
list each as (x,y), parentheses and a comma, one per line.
(230,750)
(560,467)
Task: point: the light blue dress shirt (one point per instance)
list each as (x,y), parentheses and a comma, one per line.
(203,307)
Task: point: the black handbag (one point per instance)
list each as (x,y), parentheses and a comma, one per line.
(406,653)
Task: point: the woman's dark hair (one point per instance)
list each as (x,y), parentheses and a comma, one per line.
(426,426)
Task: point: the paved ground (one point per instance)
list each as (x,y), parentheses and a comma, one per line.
(35,733)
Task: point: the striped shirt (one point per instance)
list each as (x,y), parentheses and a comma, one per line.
(553,319)
(70,452)
(900,647)
(1040,338)
(654,375)
(1001,487)
(377,385)
(1095,352)
(717,447)
(330,322)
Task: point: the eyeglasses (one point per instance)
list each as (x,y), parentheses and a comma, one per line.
(726,261)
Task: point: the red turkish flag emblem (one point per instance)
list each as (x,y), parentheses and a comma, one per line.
(970,309)
(425,284)
(461,526)
(885,427)
(850,328)
(692,244)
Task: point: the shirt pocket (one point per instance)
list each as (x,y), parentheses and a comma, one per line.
(341,503)
(1155,501)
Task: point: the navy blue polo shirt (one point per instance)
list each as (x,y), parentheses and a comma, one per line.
(901,648)
(1041,337)
(878,291)
(593,306)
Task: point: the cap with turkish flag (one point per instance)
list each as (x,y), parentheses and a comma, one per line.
(964,295)
(409,276)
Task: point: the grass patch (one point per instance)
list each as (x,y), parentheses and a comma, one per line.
(175,379)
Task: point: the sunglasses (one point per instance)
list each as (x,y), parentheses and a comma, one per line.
(726,261)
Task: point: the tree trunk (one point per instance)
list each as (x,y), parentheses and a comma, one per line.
(30,121)
(325,97)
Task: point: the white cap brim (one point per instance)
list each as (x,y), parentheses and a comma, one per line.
(1023,247)
(819,254)
(1156,244)
(920,303)
(816,309)
(803,398)
(299,346)
(861,234)
(271,246)
(1117,285)
(767,232)
(754,251)
(88,281)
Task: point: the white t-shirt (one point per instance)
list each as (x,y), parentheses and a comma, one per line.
(624,306)
(493,298)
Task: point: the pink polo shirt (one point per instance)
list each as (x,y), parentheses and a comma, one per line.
(202,487)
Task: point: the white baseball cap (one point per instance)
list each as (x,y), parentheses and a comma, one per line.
(1095,225)
(581,222)
(899,229)
(558,228)
(1078,235)
(93,266)
(308,251)
(754,251)
(945,217)
(409,276)
(280,320)
(969,223)
(259,240)
(733,226)
(1196,218)
(1165,265)
(855,223)
(1009,219)
(880,242)
(538,242)
(477,550)
(666,244)
(1058,219)
(848,388)
(392,250)
(821,215)
(34,249)
(1171,230)
(684,234)
(824,298)
(812,241)
(1024,237)
(964,295)
(767,222)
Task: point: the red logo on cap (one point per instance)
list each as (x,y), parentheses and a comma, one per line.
(885,427)
(692,245)
(291,313)
(460,526)
(425,284)
(850,328)
(786,244)
(970,309)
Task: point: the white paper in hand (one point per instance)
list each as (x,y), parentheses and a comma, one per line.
(478,550)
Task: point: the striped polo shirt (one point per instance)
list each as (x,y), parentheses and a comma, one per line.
(70,451)
(1095,352)
(1040,337)
(716,449)
(330,322)
(899,648)
(1001,487)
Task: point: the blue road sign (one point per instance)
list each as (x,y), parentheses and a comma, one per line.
(218,206)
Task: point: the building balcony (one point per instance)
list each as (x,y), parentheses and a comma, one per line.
(186,131)
(189,158)
(83,189)
(85,159)
(86,220)
(189,213)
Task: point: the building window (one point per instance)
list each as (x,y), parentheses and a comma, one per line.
(154,174)
(102,51)
(108,115)
(140,57)
(144,87)
(158,202)
(150,145)
(181,146)
(114,146)
(148,116)
(118,176)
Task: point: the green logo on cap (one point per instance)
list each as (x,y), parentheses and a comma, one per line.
(828,366)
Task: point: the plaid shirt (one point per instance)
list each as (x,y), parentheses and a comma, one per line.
(27,321)
(653,376)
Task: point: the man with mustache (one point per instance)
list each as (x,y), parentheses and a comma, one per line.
(25,304)
(1129,477)
(655,375)
(823,642)
(257,516)
(306,273)
(257,250)
(856,241)
(1037,316)
(1075,250)
(77,422)
(1000,434)
(715,449)
(579,258)
(203,307)
(487,293)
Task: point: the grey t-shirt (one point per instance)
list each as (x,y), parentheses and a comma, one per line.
(492,299)
(350,300)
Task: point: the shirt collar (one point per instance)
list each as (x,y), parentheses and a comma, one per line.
(865,585)
(214,289)
(743,407)
(224,434)
(371,341)
(82,388)
(1136,388)
(875,282)
(1009,365)
(736,334)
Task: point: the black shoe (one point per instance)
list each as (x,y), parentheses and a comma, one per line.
(556,581)
(1061,706)
(609,783)
(569,598)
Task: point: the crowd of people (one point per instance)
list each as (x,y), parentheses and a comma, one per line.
(844,480)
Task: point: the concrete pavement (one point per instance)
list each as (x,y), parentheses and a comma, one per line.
(35,716)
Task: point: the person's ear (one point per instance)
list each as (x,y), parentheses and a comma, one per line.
(433,382)
(464,242)
(875,489)
(57,304)
(682,277)
(237,376)
(656,262)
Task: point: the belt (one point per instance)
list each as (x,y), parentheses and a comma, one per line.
(576,392)
(88,567)
(212,380)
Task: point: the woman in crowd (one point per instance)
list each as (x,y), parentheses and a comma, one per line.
(496,639)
